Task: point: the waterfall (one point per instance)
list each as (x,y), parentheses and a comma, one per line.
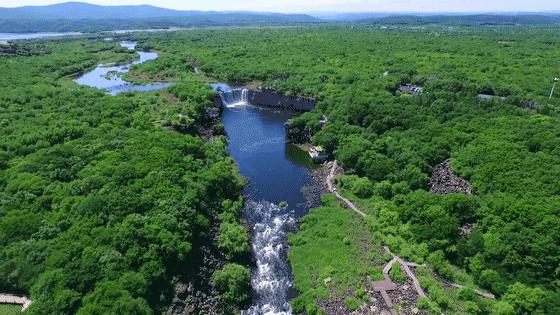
(271,279)
(235,97)
(245,96)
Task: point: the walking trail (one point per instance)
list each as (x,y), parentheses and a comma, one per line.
(12,299)
(386,285)
(333,190)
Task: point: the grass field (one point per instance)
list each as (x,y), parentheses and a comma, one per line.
(333,254)
(10,309)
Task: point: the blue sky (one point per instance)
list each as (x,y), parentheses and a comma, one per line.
(329,5)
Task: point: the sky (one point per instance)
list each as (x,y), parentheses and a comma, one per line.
(328,5)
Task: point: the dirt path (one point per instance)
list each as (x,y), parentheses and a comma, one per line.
(405,265)
(481,293)
(333,190)
(12,299)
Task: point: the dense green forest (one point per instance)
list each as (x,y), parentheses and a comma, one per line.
(85,17)
(100,25)
(102,210)
(507,149)
(473,20)
(112,198)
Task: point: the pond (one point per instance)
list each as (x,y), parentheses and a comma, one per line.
(108,77)
(277,173)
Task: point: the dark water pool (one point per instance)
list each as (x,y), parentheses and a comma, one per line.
(257,141)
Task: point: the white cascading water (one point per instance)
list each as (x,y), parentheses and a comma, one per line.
(271,279)
(234,98)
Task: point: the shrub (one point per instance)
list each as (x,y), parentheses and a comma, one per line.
(400,188)
(362,188)
(233,240)
(352,303)
(472,308)
(397,274)
(502,308)
(234,283)
(219,129)
(491,280)
(305,303)
(440,265)
(383,189)
(428,306)
(525,300)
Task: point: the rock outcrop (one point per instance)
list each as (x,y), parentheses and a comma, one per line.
(273,98)
(444,182)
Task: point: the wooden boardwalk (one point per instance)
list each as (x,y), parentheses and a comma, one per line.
(387,285)
(333,190)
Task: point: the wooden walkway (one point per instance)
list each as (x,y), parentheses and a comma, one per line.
(13,299)
(387,285)
(405,265)
(333,190)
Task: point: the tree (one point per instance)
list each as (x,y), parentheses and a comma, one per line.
(525,300)
(233,240)
(362,188)
(109,298)
(234,283)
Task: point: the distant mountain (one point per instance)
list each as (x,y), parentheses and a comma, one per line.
(428,16)
(79,11)
(469,20)
(348,16)
(78,16)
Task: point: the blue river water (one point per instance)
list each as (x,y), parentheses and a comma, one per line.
(257,141)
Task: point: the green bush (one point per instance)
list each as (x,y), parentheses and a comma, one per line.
(234,283)
(383,189)
(397,274)
(233,240)
(428,306)
(362,188)
(352,303)
(441,266)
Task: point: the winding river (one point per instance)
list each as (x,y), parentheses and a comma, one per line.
(257,141)
(108,77)
(280,181)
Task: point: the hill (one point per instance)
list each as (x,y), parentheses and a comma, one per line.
(78,16)
(468,20)
(80,10)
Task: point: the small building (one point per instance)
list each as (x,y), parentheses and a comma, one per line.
(411,89)
(318,153)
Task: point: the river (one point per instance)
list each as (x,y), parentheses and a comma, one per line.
(108,77)
(257,141)
(19,36)
(279,178)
